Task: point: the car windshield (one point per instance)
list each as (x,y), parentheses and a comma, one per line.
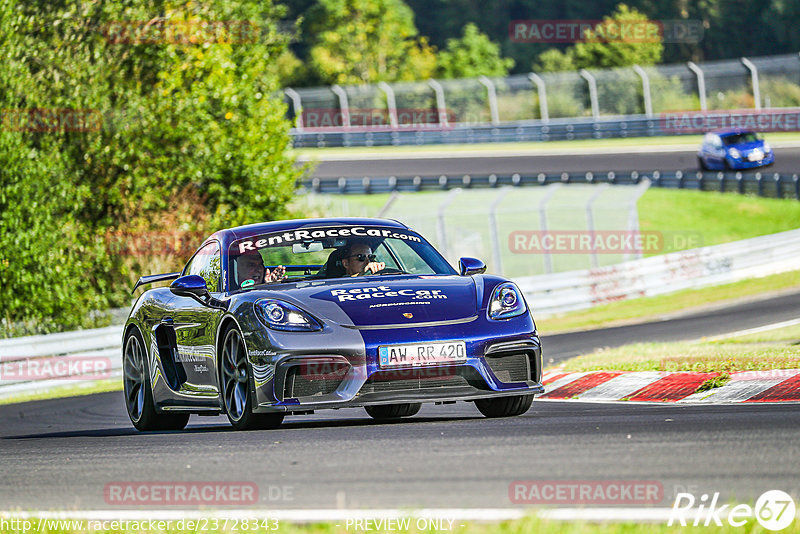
(325,253)
(736,139)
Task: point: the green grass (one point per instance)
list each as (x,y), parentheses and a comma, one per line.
(722,356)
(789,334)
(75,390)
(527,525)
(697,218)
(687,219)
(532,146)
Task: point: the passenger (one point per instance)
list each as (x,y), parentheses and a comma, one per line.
(250,266)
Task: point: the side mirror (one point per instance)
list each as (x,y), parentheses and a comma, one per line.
(191,285)
(468,266)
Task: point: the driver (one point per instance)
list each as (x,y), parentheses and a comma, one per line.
(250,266)
(358,259)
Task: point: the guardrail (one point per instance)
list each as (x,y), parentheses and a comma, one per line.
(33,364)
(657,275)
(761,183)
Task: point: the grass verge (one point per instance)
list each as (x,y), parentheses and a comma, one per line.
(651,308)
(724,356)
(527,525)
(75,390)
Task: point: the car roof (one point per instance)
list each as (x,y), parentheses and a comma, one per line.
(725,132)
(227,236)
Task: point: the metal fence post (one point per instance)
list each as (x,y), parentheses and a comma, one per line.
(648,100)
(590,221)
(343,106)
(391,104)
(701,83)
(494,232)
(542,91)
(633,212)
(441,228)
(586,75)
(297,106)
(492,97)
(441,105)
(754,79)
(553,188)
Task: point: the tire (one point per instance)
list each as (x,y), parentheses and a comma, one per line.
(393,411)
(505,406)
(235,381)
(138,392)
(701,164)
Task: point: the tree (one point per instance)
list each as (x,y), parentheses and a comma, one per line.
(185,136)
(625,38)
(554,60)
(472,55)
(365,41)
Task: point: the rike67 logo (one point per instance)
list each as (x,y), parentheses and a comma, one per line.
(774,510)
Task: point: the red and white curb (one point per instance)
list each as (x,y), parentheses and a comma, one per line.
(782,385)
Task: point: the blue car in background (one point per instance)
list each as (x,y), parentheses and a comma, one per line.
(734,149)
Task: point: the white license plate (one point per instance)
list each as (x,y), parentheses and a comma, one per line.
(416,354)
(755,157)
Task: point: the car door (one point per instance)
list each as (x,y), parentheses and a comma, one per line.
(718,150)
(195,326)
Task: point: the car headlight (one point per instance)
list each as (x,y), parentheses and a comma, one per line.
(734,153)
(767,148)
(280,315)
(506,302)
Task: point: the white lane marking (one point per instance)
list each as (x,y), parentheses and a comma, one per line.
(622,386)
(563,381)
(508,153)
(742,386)
(765,328)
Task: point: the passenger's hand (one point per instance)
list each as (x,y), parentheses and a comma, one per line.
(277,274)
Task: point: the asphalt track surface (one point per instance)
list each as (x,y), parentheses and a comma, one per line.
(61,454)
(787,160)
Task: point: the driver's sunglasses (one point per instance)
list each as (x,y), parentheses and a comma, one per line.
(363,257)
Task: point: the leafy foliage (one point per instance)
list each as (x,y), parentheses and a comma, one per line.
(472,55)
(363,41)
(185,135)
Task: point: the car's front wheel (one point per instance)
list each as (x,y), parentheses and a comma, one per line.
(237,397)
(138,393)
(393,411)
(702,164)
(505,406)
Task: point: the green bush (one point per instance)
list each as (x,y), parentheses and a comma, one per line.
(185,136)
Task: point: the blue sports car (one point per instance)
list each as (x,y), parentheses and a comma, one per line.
(734,149)
(284,318)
